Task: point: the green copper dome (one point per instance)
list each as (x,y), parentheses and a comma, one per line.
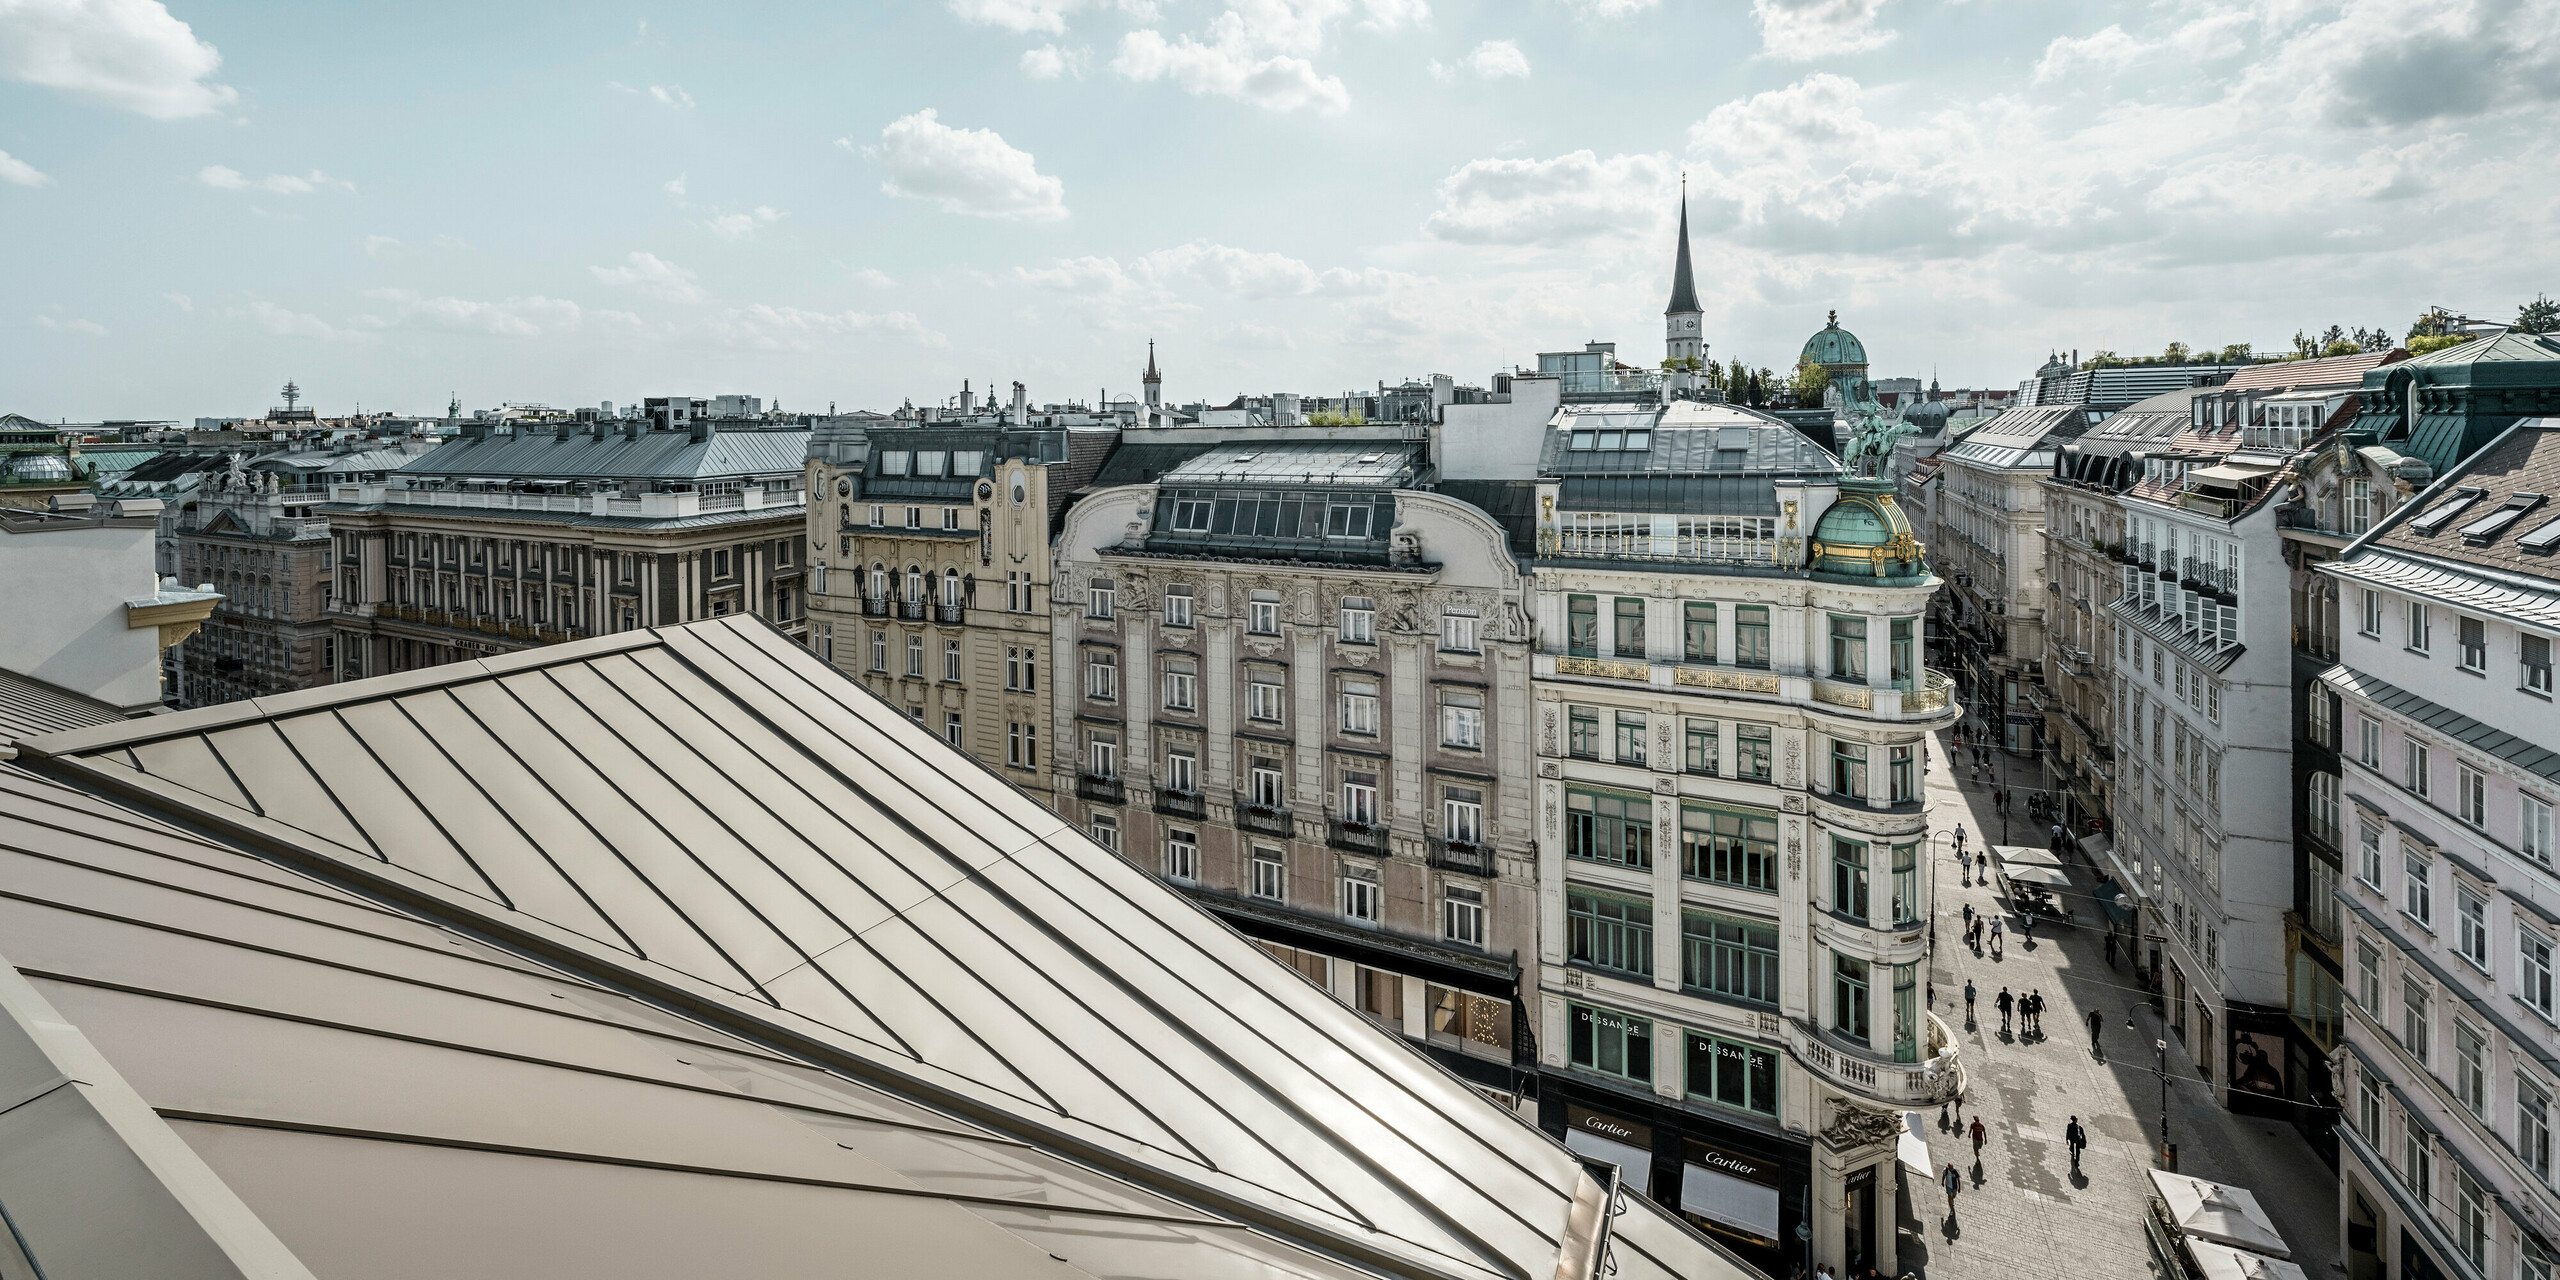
(1866,538)
(1835,346)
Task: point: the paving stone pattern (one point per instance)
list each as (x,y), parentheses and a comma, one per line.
(2023,1213)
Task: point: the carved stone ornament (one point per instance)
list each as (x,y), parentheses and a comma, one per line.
(1550,769)
(1856,1126)
(1795,761)
(1795,855)
(1218,597)
(1555,828)
(1356,654)
(1665,786)
(1792,804)
(1547,734)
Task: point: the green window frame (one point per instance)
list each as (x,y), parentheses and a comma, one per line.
(1752,754)
(1849,872)
(1698,631)
(1611,931)
(1850,978)
(1902,645)
(1735,959)
(1906,884)
(1906,1013)
(1627,635)
(1609,1042)
(1582,626)
(1609,826)
(1630,737)
(1582,740)
(1848,648)
(1729,847)
(1848,771)
(1733,1074)
(1751,635)
(1700,754)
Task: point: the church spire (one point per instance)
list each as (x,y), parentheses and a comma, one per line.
(1684,288)
(1152,380)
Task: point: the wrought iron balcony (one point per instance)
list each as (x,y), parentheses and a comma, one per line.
(875,606)
(1269,819)
(911,610)
(1099,789)
(1464,856)
(1358,837)
(950,614)
(1181,804)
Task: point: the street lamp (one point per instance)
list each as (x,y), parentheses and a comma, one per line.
(2161,1047)
(1804,1232)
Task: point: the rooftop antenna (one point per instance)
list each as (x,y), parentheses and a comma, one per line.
(291,393)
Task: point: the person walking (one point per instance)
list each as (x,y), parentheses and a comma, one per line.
(1995,937)
(2076,1138)
(1959,837)
(1979,1133)
(1968,1002)
(2004,1002)
(1950,1180)
(2097,1023)
(2035,1012)
(1968,915)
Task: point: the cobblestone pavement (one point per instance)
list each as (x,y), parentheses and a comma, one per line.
(2024,1213)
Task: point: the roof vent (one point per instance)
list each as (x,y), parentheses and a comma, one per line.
(2444,512)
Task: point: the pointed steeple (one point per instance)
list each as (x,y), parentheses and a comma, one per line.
(1684,288)
(1152,380)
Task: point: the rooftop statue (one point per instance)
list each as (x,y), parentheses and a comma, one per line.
(1872,437)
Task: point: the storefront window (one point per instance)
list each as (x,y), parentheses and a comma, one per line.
(1733,1074)
(1612,1043)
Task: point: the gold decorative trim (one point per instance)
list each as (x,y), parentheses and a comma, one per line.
(1737,681)
(1605,669)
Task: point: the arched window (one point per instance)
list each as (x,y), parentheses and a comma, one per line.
(950,588)
(879,581)
(915,585)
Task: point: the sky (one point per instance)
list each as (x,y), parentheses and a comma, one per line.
(864,204)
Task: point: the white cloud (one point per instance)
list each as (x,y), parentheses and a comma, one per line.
(1802,30)
(512,318)
(1049,62)
(19,173)
(874,277)
(123,53)
(1495,59)
(1394,15)
(971,171)
(382,246)
(652,275)
(226,178)
(2098,52)
(1551,202)
(794,329)
(181,301)
(284,323)
(734,227)
(675,186)
(1257,52)
(1610,8)
(1440,71)
(1022,17)
(672,95)
(85,328)
(1244,273)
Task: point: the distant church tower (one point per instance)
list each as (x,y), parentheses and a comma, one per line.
(1682,335)
(1154,381)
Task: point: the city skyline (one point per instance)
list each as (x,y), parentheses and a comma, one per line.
(578,206)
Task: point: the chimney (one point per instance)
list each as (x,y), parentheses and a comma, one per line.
(968,400)
(702,429)
(1021,403)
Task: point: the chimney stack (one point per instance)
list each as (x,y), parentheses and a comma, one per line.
(1021,404)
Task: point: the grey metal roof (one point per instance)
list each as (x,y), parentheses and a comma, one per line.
(676,953)
(2486,739)
(31,706)
(2477,589)
(793,512)
(1726,495)
(1687,439)
(1376,465)
(652,455)
(1513,504)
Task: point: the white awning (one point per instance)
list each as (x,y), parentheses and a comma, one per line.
(2219,1213)
(2023,855)
(1913,1147)
(1748,1206)
(1635,1164)
(2220,1262)
(2048,877)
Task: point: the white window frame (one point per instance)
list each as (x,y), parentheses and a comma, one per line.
(1458,633)
(1182,855)
(1462,915)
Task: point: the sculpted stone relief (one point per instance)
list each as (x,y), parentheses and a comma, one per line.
(1856,1126)
(1547,731)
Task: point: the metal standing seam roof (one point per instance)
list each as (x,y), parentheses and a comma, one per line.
(2487,739)
(2462,586)
(1379,464)
(850,915)
(653,455)
(31,706)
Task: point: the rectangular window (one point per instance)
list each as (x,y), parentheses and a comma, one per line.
(2470,794)
(1751,636)
(2470,1218)
(2533,975)
(1904,646)
(1732,1074)
(1102,756)
(2372,615)
(1628,635)
(1458,633)
(1848,771)
(1849,982)
(1360,707)
(2472,912)
(1462,815)
(915,656)
(1177,606)
(1737,959)
(1906,885)
(1181,684)
(2533,836)
(2369,1106)
(2419,631)
(1630,737)
(1698,631)
(1609,931)
(1191,515)
(2533,1128)
(1905,774)
(1360,897)
(1098,598)
(1462,720)
(2416,1027)
(1849,879)
(1182,855)
(2414,771)
(1582,738)
(1360,798)
(1262,613)
(2369,742)
(1343,521)
(880,652)
(2369,849)
(1102,675)
(1270,875)
(1700,753)
(1106,831)
(2475,644)
(2471,1068)
(951,661)
(1608,826)
(1263,780)
(1610,1043)
(2535,657)
(2418,894)
(1181,771)
(1359,620)
(1751,752)
(1848,649)
(2369,978)
(1734,849)
(952,731)
(1462,915)
(1582,626)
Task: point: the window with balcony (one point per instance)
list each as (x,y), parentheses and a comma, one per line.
(1360,798)
(1736,959)
(1698,631)
(1630,737)
(1102,755)
(1848,649)
(1903,645)
(1582,626)
(1609,931)
(1627,637)
(1849,879)
(1462,815)
(1609,826)
(1751,752)
(1582,737)
(1751,636)
(1462,720)
(1700,753)
(1732,1074)
(1610,1043)
(1729,848)
(1849,985)
(1264,786)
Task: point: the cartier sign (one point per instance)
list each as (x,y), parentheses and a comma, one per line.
(1610,1127)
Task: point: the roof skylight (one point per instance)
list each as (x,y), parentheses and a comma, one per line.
(2542,539)
(2444,512)
(2488,527)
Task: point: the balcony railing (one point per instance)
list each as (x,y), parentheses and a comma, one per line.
(950,614)
(1099,789)
(1763,682)
(875,606)
(1938,1077)
(1358,837)
(1181,804)
(1270,820)
(911,610)
(1463,856)
(1629,545)
(1605,669)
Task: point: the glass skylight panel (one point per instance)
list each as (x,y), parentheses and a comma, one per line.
(929,462)
(2446,510)
(2488,526)
(965,462)
(894,462)
(1639,441)
(1582,439)
(2542,539)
